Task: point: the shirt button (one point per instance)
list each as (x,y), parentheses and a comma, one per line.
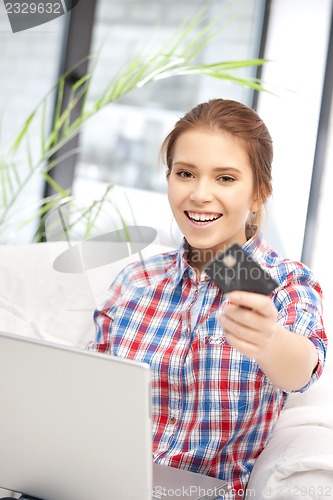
(173,420)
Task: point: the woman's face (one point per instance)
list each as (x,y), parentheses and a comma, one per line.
(210,190)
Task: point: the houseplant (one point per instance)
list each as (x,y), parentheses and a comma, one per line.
(176,57)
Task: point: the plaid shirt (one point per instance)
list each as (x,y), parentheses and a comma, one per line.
(213,408)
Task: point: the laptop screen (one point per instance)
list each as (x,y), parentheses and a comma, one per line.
(73,424)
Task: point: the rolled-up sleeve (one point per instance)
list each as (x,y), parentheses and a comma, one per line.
(300,310)
(103,316)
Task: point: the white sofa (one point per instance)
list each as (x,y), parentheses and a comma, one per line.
(40,302)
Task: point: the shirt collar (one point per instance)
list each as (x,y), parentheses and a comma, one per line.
(183,267)
(182,264)
(255,247)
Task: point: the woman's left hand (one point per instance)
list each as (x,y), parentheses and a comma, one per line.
(249,323)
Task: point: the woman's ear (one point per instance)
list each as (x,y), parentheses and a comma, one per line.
(258,201)
(256,205)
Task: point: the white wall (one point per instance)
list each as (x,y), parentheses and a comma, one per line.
(322,244)
(296,46)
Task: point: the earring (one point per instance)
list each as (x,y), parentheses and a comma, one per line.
(251,226)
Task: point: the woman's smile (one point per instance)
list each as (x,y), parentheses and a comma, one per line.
(202,218)
(210,189)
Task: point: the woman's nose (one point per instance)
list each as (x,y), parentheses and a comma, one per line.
(201,193)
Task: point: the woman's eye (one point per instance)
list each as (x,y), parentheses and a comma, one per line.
(184,174)
(226,178)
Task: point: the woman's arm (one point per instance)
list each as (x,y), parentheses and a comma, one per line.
(250,326)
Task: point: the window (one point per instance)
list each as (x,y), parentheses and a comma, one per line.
(120,145)
(29,64)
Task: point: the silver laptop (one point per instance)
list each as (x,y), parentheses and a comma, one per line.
(76,425)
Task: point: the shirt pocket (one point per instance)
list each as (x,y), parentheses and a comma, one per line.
(231,380)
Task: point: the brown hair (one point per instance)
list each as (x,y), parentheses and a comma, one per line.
(244,123)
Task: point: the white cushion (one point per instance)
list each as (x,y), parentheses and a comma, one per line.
(298,459)
(40,302)
(297,462)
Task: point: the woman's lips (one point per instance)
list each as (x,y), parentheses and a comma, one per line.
(202,218)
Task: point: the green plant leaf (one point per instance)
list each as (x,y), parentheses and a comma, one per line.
(175,58)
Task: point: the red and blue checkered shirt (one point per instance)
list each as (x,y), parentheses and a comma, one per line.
(213,408)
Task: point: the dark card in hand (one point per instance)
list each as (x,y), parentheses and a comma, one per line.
(234,269)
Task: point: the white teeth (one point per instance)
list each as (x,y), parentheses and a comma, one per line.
(203,217)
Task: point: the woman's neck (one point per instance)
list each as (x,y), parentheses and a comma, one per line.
(199,259)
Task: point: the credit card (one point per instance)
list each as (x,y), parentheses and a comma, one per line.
(234,269)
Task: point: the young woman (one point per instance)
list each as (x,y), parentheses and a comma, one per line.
(222,365)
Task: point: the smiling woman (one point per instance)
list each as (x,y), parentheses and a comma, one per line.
(217,180)
(211,208)
(222,364)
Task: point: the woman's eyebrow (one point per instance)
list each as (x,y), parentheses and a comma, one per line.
(215,169)
(227,169)
(184,164)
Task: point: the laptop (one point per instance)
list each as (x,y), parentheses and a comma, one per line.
(76,425)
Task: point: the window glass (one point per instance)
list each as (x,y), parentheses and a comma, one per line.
(120,145)
(29,65)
